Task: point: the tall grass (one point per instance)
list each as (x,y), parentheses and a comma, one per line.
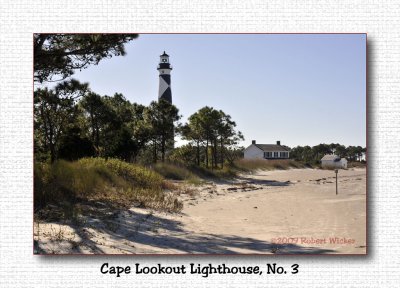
(249,165)
(120,183)
(195,174)
(175,172)
(134,174)
(111,180)
(192,174)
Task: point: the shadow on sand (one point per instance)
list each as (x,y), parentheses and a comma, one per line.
(160,234)
(249,180)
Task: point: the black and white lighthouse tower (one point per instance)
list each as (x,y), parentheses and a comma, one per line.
(164,67)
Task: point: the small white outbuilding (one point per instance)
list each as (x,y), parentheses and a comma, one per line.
(333,161)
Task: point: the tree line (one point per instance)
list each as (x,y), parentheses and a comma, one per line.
(315,153)
(71,122)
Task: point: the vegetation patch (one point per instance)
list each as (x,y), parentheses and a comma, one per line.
(248,165)
(356,164)
(117,183)
(175,172)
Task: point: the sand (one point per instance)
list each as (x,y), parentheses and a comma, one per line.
(282,212)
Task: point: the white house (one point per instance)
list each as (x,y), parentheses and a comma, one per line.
(266,151)
(333,161)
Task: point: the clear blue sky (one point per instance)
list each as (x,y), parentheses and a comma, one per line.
(301,89)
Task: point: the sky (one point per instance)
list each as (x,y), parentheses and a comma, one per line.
(300,89)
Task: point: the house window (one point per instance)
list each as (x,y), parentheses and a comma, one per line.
(267,154)
(284,155)
(276,155)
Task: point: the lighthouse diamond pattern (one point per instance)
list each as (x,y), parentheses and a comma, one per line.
(164,68)
(163,87)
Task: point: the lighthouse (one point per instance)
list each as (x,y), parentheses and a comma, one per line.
(164,68)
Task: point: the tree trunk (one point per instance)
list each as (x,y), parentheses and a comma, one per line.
(51,144)
(52,153)
(163,140)
(212,155)
(198,153)
(222,153)
(97,139)
(215,153)
(155,151)
(93,128)
(207,153)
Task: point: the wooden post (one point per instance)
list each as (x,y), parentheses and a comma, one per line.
(336,171)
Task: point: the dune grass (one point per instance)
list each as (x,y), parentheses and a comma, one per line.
(249,165)
(177,172)
(120,184)
(195,174)
(96,179)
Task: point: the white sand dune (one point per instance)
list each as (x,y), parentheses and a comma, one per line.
(287,211)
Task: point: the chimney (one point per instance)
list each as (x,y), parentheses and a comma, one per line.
(278,143)
(253,142)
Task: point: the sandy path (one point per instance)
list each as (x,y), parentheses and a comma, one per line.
(304,211)
(261,214)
